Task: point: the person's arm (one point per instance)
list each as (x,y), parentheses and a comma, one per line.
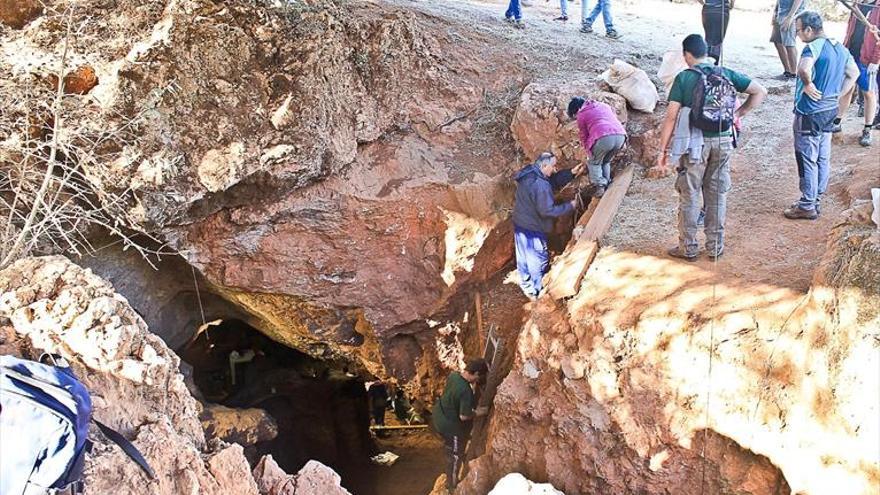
(789,18)
(850,76)
(672,111)
(756,93)
(545,205)
(466,407)
(805,73)
(561,178)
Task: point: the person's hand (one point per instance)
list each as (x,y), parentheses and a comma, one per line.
(787,23)
(812,92)
(482,411)
(661,168)
(872,69)
(578,170)
(574,203)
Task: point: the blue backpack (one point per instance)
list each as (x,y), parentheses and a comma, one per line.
(44,424)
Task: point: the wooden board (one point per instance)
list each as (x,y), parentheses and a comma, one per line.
(568,270)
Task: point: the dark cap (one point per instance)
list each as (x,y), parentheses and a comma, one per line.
(477,366)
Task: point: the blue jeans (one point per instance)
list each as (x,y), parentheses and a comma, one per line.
(513,10)
(563,7)
(812,152)
(603,6)
(532,259)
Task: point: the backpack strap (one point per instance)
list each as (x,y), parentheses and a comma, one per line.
(130,450)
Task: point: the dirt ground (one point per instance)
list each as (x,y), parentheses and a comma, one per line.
(761,246)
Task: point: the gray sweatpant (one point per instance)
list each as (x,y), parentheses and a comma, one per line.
(601,155)
(705,182)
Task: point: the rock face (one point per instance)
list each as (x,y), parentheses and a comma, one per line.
(241,426)
(289,173)
(517,484)
(51,305)
(313,479)
(663,391)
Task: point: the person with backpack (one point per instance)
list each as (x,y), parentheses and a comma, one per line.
(602,136)
(865,49)
(826,71)
(453,413)
(698,134)
(716,17)
(534,211)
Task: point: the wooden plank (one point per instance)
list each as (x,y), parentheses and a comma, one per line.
(568,269)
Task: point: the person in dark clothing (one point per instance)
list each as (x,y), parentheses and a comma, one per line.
(716,16)
(533,214)
(378,397)
(453,412)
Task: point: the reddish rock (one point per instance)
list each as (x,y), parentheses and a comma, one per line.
(17,13)
(78,82)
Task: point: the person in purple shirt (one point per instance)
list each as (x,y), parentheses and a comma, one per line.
(602,136)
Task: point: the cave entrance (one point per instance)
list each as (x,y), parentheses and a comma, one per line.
(320,407)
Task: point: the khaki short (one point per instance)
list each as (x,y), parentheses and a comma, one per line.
(785,37)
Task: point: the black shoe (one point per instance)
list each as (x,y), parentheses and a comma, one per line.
(586,29)
(675,252)
(598,191)
(562,18)
(613,34)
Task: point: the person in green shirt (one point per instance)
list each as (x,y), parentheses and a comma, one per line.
(703,156)
(453,412)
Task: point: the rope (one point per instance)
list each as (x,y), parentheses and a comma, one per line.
(199,299)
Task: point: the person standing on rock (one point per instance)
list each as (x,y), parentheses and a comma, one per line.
(453,412)
(784,36)
(703,155)
(826,71)
(716,16)
(865,49)
(602,136)
(534,211)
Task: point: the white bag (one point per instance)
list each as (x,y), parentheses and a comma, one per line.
(673,63)
(633,84)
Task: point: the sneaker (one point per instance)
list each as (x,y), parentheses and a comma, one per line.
(586,28)
(519,24)
(676,252)
(865,140)
(836,128)
(510,20)
(562,18)
(613,35)
(795,212)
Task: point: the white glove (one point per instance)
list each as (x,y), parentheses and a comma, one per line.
(872,69)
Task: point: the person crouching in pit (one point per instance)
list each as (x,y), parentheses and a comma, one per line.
(453,412)
(602,136)
(534,210)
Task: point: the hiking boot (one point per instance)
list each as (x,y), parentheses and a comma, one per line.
(795,212)
(836,128)
(562,18)
(586,28)
(598,191)
(676,252)
(713,256)
(613,34)
(865,140)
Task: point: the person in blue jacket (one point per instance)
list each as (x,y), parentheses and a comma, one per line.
(534,210)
